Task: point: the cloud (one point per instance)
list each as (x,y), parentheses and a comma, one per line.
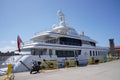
(7,48)
(13,42)
(8,45)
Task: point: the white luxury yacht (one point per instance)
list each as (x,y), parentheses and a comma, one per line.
(61,43)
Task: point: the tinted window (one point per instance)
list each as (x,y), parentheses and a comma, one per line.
(90,53)
(61,53)
(70,41)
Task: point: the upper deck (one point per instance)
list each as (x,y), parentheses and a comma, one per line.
(61,31)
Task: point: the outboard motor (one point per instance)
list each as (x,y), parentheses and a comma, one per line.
(35,67)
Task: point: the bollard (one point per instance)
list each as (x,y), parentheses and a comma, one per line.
(76,63)
(9,75)
(50,64)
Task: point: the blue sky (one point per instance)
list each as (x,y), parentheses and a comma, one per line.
(99,19)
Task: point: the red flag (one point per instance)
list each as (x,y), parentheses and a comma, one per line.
(19,41)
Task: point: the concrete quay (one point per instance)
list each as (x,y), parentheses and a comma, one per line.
(102,71)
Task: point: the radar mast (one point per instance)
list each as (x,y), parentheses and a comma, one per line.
(62,18)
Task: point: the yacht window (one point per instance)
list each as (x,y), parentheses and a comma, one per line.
(96,53)
(85,42)
(79,52)
(90,53)
(61,53)
(88,43)
(50,52)
(38,51)
(70,41)
(93,53)
(92,44)
(52,41)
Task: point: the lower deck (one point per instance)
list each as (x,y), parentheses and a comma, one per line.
(79,54)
